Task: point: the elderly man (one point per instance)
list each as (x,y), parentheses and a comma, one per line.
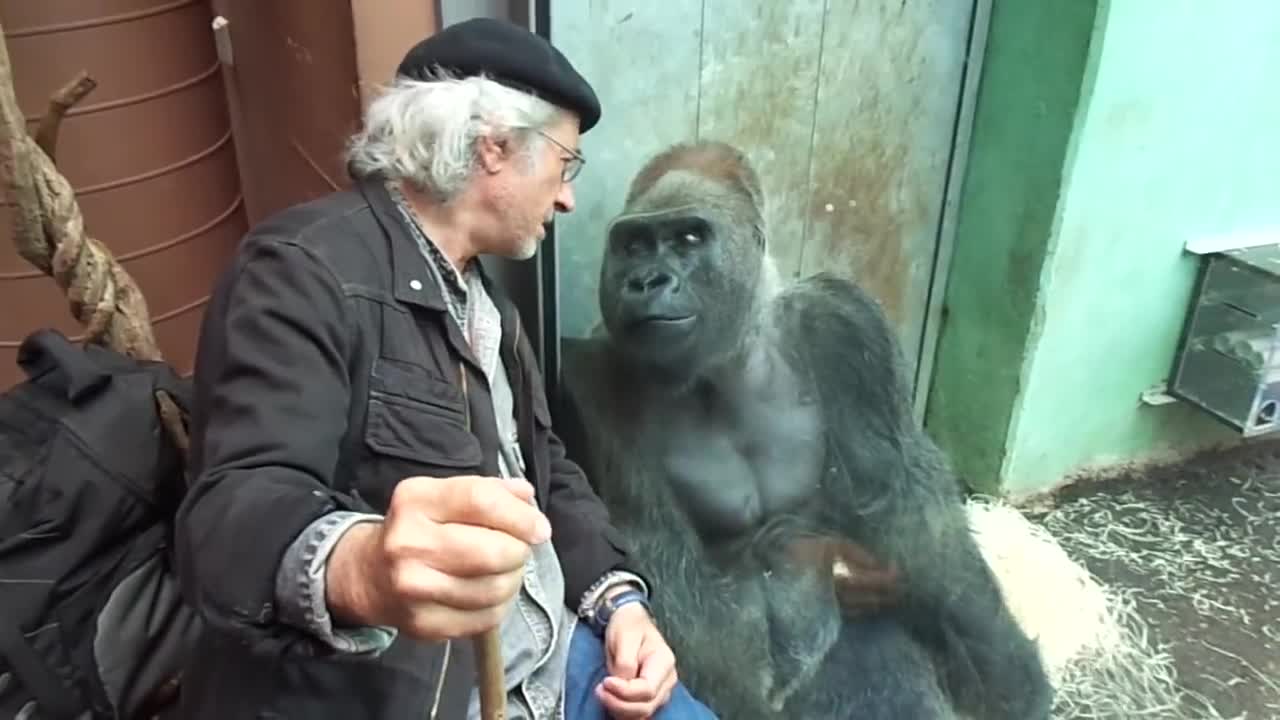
(375,475)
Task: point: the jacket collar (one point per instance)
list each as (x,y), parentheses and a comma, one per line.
(411,279)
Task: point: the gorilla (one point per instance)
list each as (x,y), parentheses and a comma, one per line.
(808,544)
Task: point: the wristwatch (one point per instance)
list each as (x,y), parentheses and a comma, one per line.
(598,619)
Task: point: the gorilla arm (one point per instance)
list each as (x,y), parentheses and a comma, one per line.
(703,614)
(888,488)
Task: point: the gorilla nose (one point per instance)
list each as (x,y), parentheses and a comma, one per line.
(649,283)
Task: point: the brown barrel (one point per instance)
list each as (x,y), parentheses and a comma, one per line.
(149,153)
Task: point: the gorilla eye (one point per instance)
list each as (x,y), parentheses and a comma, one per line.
(692,232)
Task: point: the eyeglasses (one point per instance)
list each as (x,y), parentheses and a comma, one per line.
(572,164)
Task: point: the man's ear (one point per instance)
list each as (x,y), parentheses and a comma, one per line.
(492,151)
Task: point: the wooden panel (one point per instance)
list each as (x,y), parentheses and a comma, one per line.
(887,101)
(383,31)
(642,59)
(759,77)
(295,97)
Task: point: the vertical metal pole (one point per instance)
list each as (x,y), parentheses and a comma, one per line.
(548,276)
(961,139)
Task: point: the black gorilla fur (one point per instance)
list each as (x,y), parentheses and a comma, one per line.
(744,436)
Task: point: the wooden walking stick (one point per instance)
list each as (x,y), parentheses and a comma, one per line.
(49,233)
(493,683)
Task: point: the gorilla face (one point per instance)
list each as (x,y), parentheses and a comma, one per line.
(683,262)
(676,289)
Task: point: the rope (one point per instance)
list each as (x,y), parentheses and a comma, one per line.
(49,233)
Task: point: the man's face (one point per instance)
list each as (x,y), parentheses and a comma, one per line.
(528,192)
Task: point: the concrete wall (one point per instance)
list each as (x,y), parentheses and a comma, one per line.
(1174,138)
(1179,141)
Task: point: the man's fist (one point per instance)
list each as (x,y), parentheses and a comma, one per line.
(444,563)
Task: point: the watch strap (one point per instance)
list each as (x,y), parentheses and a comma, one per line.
(610,605)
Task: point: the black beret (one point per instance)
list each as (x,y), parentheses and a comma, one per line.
(510,55)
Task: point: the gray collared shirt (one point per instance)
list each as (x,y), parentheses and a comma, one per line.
(535,634)
(537,630)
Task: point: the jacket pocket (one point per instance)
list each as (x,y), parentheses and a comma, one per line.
(415,415)
(420,433)
(407,381)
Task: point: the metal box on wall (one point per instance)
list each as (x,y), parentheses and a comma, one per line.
(1228,360)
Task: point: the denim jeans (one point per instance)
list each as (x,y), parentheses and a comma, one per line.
(587,669)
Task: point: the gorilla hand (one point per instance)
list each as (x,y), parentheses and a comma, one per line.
(863,585)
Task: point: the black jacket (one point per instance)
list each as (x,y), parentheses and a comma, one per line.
(328,370)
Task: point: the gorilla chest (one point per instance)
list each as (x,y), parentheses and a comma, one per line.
(735,468)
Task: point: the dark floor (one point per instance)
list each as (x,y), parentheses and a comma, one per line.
(1199,545)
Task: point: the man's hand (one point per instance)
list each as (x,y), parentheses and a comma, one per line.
(642,668)
(445,561)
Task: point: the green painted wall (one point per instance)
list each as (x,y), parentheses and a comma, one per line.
(1034,63)
(1179,140)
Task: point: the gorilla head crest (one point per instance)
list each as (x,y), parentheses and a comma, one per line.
(685,267)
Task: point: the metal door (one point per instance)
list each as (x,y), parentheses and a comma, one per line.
(850,111)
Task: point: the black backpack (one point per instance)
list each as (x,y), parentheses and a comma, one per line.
(91,621)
